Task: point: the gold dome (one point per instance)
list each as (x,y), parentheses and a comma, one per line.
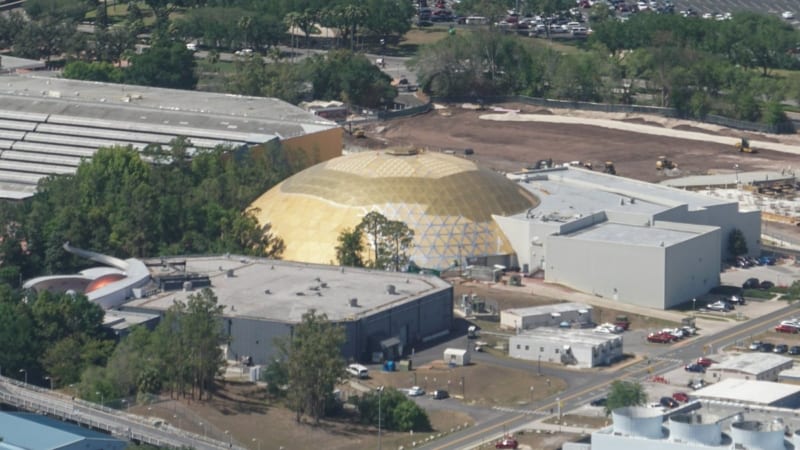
(448,201)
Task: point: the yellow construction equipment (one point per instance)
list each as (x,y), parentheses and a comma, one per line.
(665,164)
(359,133)
(744,146)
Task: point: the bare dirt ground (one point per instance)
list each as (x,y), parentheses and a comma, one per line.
(508,146)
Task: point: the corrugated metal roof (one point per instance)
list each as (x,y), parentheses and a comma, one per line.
(35,432)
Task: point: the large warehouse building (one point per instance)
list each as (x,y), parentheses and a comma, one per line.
(614,237)
(48,125)
(384,314)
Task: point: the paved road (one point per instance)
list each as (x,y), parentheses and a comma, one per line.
(661,360)
(120,424)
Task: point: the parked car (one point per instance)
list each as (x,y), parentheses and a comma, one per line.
(766,347)
(788,15)
(766,285)
(440,394)
(736,300)
(794,350)
(705,362)
(694,367)
(697,384)
(786,328)
(598,401)
(781,348)
(668,402)
(768,260)
(719,305)
(751,283)
(660,338)
(681,397)
(755,345)
(415,391)
(507,442)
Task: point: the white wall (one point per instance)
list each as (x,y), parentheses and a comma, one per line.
(692,267)
(581,355)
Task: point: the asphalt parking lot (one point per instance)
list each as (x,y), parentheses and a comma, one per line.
(722,6)
(780,274)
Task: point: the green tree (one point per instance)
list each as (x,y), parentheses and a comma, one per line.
(60,10)
(350,248)
(397,411)
(349,77)
(737,244)
(163,65)
(44,39)
(18,340)
(93,71)
(399,238)
(625,393)
(314,364)
(372,226)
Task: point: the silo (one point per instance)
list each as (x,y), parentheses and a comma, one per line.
(695,428)
(755,435)
(638,421)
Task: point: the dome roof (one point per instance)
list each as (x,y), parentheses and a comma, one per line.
(103,281)
(448,201)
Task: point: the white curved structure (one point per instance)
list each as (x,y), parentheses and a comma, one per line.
(695,428)
(109,286)
(754,435)
(638,421)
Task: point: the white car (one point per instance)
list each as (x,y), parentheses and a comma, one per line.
(415,391)
(788,15)
(244,52)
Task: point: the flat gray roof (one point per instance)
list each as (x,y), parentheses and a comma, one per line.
(748,391)
(752,363)
(728,179)
(569,192)
(158,106)
(122,320)
(567,336)
(284,291)
(14,63)
(632,235)
(548,309)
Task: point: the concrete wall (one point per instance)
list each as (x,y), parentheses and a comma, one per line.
(527,239)
(691,267)
(254,338)
(581,355)
(727,217)
(307,150)
(627,273)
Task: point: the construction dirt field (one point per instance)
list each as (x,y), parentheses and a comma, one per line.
(513,145)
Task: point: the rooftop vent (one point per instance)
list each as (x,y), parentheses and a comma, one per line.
(323,285)
(390,289)
(229,273)
(267,291)
(353,302)
(299,293)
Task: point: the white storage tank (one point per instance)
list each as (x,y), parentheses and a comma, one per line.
(755,435)
(638,421)
(796,439)
(695,428)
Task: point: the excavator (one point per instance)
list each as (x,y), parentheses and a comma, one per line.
(743,146)
(609,168)
(665,164)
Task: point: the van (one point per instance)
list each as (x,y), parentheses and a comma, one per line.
(358,371)
(476,20)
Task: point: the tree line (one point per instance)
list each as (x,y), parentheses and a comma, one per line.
(697,66)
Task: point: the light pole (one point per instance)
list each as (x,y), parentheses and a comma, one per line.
(204,428)
(531,394)
(23,371)
(380,394)
(230,438)
(51,382)
(694,304)
(736,168)
(102,398)
(540,364)
(258,442)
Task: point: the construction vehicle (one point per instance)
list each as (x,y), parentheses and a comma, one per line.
(744,146)
(541,164)
(609,168)
(359,133)
(665,164)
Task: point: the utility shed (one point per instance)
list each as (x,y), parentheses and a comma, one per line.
(456,356)
(21,430)
(545,315)
(750,366)
(580,348)
(767,393)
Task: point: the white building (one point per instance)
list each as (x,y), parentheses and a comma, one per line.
(624,239)
(752,392)
(698,425)
(580,348)
(546,315)
(457,356)
(750,366)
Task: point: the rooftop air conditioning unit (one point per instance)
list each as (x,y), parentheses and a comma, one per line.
(353,302)
(390,289)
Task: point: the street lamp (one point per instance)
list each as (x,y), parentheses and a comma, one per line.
(694,304)
(380,394)
(51,382)
(102,398)
(540,364)
(204,428)
(26,374)
(230,438)
(736,168)
(258,441)
(531,394)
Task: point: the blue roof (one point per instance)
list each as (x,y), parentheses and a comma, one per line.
(21,430)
